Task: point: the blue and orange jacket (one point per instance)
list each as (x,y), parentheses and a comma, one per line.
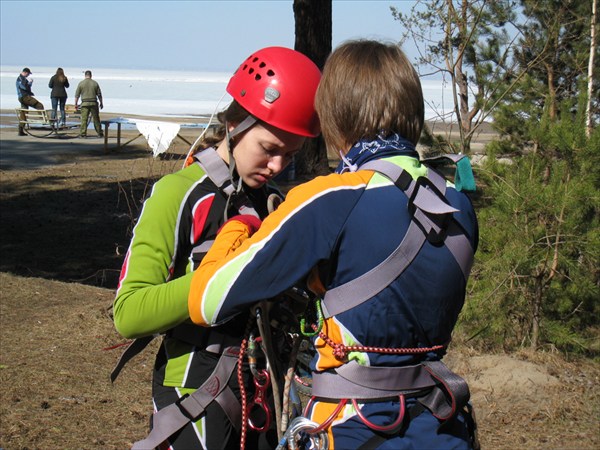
(344,225)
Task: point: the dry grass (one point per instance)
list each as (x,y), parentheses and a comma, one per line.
(55,392)
(68,220)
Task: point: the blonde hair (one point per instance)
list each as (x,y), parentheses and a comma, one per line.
(368,88)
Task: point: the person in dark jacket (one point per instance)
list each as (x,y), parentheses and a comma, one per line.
(25,96)
(385,244)
(59,84)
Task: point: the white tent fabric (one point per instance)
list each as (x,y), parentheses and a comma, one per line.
(158,134)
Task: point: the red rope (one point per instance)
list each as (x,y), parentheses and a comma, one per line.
(122,344)
(340,351)
(240,379)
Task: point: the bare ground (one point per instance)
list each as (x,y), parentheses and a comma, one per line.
(66,210)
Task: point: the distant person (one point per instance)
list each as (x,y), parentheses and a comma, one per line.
(26,98)
(59,84)
(91,97)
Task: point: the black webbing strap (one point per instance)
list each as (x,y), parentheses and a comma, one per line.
(208,339)
(189,407)
(132,349)
(445,401)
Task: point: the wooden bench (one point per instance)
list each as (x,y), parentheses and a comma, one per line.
(73,113)
(39,123)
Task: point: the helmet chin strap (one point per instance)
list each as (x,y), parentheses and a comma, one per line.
(229,135)
(242,126)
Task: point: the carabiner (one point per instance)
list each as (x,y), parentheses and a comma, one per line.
(260,401)
(318,440)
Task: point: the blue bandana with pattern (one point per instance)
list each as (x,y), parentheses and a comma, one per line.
(367,149)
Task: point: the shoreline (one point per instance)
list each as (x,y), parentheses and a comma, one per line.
(8,118)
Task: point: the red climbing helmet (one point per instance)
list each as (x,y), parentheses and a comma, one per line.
(277,85)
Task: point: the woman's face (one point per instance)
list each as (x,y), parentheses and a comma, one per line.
(263,152)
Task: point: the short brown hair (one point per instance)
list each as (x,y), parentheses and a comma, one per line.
(369,88)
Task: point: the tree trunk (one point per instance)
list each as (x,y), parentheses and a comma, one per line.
(551,93)
(536,311)
(588,108)
(313,38)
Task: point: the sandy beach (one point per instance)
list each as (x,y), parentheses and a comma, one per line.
(17,150)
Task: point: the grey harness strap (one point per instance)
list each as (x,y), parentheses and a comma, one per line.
(216,169)
(431,220)
(189,407)
(434,385)
(365,382)
(436,401)
(219,173)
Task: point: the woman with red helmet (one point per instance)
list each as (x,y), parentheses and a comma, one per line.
(271,115)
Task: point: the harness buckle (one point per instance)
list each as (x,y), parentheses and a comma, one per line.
(182,408)
(437,228)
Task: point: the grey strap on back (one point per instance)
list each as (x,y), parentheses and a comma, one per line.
(430,211)
(172,418)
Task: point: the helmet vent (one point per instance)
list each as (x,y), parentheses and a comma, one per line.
(251,71)
(270,73)
(261,65)
(257,77)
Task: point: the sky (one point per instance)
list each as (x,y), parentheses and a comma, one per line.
(170,35)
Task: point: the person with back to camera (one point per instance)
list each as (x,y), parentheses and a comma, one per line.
(91,98)
(58,95)
(385,244)
(26,96)
(259,133)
